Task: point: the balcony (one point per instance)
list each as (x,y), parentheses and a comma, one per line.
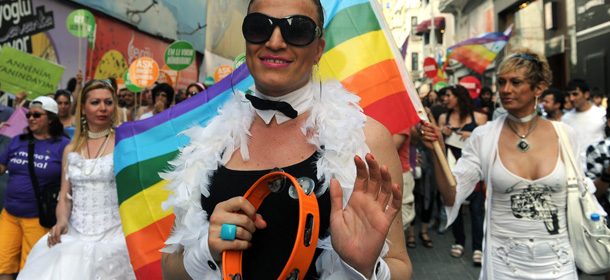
(455,6)
(424,26)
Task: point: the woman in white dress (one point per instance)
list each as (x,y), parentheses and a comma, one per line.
(88,241)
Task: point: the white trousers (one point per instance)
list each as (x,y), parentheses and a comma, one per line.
(523,258)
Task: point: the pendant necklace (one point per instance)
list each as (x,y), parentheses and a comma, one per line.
(99,154)
(523,144)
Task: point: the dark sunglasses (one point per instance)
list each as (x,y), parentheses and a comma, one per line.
(192,93)
(297,30)
(35,115)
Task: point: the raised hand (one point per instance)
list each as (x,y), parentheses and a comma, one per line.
(247,221)
(79,77)
(358,232)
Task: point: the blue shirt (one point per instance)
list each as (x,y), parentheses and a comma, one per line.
(20,200)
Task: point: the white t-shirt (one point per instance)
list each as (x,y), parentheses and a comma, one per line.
(146,115)
(589,125)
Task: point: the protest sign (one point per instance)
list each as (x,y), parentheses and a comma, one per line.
(222,72)
(81,23)
(129,84)
(21,71)
(143,72)
(16,123)
(179,55)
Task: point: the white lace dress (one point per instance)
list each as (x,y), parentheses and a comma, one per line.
(94,247)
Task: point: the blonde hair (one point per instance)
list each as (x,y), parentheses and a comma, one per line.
(80,134)
(536,66)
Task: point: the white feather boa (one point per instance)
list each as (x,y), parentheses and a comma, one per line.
(336,120)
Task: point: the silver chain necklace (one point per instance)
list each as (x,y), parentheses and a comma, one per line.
(523,145)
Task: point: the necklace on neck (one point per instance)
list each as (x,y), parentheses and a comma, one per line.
(523,145)
(95,135)
(97,157)
(524,119)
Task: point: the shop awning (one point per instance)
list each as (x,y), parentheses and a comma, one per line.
(424,26)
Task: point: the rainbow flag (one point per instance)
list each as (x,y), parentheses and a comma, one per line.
(478,52)
(360,53)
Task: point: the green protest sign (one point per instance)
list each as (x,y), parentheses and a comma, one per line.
(21,71)
(129,84)
(80,23)
(440,85)
(179,55)
(91,38)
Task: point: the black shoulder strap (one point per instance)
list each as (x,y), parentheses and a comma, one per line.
(31,167)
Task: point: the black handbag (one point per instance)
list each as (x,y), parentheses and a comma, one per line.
(47,197)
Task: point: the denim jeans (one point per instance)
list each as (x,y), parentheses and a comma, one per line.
(477,216)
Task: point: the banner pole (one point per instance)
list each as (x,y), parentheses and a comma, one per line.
(90,54)
(79,52)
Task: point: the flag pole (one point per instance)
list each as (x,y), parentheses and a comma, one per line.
(411,92)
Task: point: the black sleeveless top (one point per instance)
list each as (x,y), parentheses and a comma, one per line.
(457,152)
(272,246)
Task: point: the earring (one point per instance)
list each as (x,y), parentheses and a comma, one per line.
(537,109)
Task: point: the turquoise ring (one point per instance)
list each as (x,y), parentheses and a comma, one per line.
(227,232)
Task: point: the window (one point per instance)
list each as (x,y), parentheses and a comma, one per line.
(414,61)
(413,25)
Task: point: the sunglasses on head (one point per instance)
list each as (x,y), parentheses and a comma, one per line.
(297,30)
(105,81)
(526,57)
(35,115)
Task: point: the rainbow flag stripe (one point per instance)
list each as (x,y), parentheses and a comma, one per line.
(478,52)
(142,150)
(360,53)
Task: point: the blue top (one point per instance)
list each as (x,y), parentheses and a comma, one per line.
(20,200)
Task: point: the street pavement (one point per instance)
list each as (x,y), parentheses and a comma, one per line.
(437,263)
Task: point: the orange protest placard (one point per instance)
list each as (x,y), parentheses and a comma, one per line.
(222,72)
(143,72)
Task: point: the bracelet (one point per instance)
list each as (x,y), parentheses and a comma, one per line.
(605,177)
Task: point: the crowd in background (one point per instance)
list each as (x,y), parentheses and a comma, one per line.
(452,109)
(53,121)
(456,113)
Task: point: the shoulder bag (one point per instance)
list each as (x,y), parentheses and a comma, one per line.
(47,197)
(591,250)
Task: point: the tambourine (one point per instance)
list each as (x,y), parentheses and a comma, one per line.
(307,233)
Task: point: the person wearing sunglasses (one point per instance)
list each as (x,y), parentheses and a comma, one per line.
(193,89)
(308,130)
(19,225)
(88,231)
(519,158)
